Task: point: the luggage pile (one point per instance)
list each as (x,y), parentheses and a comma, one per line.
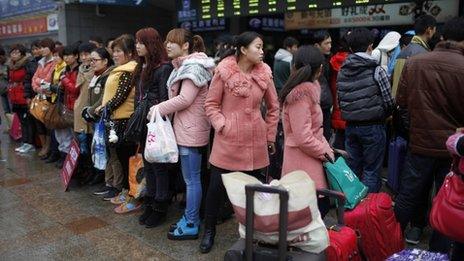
(366,230)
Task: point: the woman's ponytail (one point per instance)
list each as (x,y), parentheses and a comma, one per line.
(198,45)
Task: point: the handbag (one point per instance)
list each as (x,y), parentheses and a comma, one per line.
(39,107)
(161,145)
(305,229)
(98,148)
(67,116)
(53,118)
(15,129)
(341,178)
(447,211)
(137,123)
(137,184)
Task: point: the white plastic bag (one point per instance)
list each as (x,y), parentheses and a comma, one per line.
(161,145)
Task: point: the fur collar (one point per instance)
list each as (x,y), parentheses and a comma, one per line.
(21,63)
(306,90)
(240,83)
(197,67)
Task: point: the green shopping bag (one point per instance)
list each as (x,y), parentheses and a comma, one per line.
(342,178)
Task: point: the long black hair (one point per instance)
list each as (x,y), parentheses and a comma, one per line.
(242,40)
(306,61)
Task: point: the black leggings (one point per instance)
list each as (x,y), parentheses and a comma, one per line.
(124,151)
(217,192)
(157,178)
(27,125)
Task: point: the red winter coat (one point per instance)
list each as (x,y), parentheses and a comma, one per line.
(336,63)
(16,76)
(71,91)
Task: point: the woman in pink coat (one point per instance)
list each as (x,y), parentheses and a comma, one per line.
(242,136)
(187,86)
(305,145)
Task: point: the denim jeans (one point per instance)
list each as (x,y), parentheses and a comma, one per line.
(190,161)
(366,147)
(417,178)
(64,138)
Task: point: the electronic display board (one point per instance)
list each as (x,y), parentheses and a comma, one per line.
(207,9)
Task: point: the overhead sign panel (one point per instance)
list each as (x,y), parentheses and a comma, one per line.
(114,2)
(10,8)
(208,9)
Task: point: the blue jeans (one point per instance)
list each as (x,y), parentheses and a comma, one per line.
(190,161)
(366,147)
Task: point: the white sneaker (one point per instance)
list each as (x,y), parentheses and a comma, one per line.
(18,149)
(28,148)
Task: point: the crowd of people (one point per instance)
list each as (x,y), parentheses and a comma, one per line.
(240,113)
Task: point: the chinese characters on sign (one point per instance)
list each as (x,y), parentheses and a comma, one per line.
(368,15)
(23,27)
(70,164)
(205,25)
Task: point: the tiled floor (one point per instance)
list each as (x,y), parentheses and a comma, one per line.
(39,221)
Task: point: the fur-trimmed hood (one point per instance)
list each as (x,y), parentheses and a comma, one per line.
(240,83)
(306,90)
(197,67)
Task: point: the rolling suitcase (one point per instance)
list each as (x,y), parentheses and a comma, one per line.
(396,157)
(376,222)
(246,249)
(343,240)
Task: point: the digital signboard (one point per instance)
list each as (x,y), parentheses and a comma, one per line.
(207,9)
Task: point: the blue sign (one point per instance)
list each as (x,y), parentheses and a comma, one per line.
(9,8)
(205,25)
(114,2)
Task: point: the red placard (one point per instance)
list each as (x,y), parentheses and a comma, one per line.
(70,164)
(23,27)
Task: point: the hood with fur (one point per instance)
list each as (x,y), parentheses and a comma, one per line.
(197,67)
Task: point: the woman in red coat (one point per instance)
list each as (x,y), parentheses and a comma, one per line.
(338,124)
(242,137)
(67,93)
(16,76)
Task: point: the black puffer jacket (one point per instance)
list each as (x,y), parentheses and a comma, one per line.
(358,93)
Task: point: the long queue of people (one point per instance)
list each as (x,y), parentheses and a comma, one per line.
(235,103)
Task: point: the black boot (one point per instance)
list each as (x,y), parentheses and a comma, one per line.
(98,178)
(60,162)
(54,157)
(147,211)
(207,241)
(158,216)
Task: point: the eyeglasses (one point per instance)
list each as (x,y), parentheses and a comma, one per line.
(95,60)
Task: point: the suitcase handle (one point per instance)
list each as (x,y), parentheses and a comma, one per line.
(283,218)
(340,197)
